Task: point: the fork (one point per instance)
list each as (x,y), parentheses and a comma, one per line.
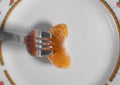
(38,43)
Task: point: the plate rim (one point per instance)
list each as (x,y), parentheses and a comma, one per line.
(103,2)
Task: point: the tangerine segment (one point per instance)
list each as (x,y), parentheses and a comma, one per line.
(30,41)
(60,57)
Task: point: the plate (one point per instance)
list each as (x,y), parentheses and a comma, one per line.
(93,42)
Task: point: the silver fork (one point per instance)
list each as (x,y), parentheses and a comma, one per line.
(38,43)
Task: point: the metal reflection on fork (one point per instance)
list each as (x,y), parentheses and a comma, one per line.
(42,41)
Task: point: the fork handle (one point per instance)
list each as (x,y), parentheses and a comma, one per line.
(10,37)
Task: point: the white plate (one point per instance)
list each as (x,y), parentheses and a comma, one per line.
(93,43)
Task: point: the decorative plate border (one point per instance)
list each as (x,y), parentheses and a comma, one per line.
(111,78)
(6,73)
(9,13)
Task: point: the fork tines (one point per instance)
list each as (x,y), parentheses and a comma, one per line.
(44,44)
